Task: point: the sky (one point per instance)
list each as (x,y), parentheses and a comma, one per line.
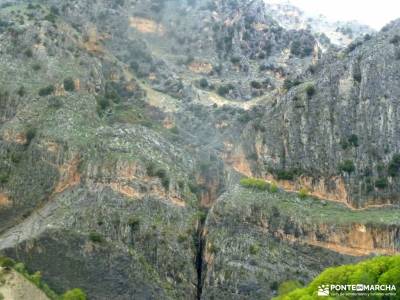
(375,13)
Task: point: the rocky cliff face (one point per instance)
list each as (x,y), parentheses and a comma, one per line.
(125,127)
(335,128)
(327,31)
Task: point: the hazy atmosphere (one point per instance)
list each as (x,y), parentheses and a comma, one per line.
(375,13)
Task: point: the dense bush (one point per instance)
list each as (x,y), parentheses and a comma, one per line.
(289,83)
(347,166)
(36,67)
(21,91)
(285,174)
(69,84)
(50,18)
(288,286)
(6,262)
(30,135)
(255,85)
(353,140)
(301,49)
(254,249)
(154,170)
(4,177)
(273,188)
(102,104)
(203,83)
(379,270)
(28,52)
(303,193)
(254,183)
(381,183)
(310,90)
(95,237)
(36,279)
(75,294)
(394,165)
(224,89)
(48,90)
(134,223)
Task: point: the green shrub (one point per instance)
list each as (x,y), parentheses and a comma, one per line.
(394,165)
(254,183)
(223,90)
(36,278)
(156,171)
(1,296)
(288,286)
(344,143)
(95,237)
(310,90)
(255,85)
(381,183)
(48,90)
(353,140)
(182,238)
(379,270)
(28,53)
(75,294)
(69,84)
(16,157)
(273,188)
(4,177)
(289,83)
(102,105)
(134,223)
(36,67)
(254,249)
(50,18)
(303,193)
(347,166)
(30,135)
(55,102)
(285,174)
(20,268)
(21,91)
(6,262)
(203,83)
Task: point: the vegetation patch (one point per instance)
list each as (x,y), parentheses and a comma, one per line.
(46,91)
(394,165)
(69,85)
(383,270)
(254,183)
(310,90)
(303,193)
(381,183)
(96,237)
(36,279)
(155,170)
(223,90)
(347,166)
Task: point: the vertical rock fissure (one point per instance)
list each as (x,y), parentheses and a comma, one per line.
(199,244)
